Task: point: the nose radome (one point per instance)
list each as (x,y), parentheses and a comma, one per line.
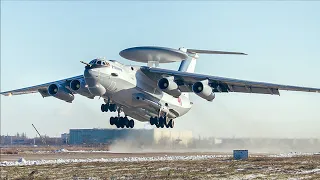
(92,80)
(91,73)
(91,77)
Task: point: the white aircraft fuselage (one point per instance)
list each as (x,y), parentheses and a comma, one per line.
(138,96)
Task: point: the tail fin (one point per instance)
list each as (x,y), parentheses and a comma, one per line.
(188,65)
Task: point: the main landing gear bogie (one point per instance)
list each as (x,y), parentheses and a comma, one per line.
(121,122)
(161,122)
(109,107)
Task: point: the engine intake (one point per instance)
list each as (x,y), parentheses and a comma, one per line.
(60,92)
(75,85)
(79,87)
(169,86)
(203,90)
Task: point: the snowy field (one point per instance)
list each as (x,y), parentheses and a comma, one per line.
(23,162)
(110,165)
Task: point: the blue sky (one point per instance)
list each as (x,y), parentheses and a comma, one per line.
(44,41)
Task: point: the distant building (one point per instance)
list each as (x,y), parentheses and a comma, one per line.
(145,136)
(15,140)
(65,138)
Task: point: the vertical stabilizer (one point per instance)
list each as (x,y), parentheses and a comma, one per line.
(189,65)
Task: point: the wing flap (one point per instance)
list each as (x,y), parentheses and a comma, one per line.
(44,93)
(253,89)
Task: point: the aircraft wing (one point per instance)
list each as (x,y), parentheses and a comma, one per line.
(185,81)
(42,88)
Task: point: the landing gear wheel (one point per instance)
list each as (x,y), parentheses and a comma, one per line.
(126,122)
(121,122)
(161,122)
(112,107)
(131,123)
(104,107)
(118,124)
(154,120)
(151,121)
(112,121)
(166,122)
(171,123)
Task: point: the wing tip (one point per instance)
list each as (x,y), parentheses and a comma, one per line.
(6,94)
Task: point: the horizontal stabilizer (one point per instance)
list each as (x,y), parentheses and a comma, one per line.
(213,52)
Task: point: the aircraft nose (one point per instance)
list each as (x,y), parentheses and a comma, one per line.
(91,77)
(91,73)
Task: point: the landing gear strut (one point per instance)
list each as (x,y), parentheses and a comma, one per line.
(162,122)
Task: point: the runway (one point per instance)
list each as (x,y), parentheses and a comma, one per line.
(64,164)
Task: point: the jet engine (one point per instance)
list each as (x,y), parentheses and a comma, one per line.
(203,90)
(60,92)
(79,86)
(169,86)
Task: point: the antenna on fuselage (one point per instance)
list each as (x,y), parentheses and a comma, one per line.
(153,63)
(153,56)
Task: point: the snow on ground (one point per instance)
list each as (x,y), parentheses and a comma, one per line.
(253,176)
(124,159)
(80,151)
(292,154)
(62,150)
(312,171)
(21,161)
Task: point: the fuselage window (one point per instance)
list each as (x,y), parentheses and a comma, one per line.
(103,63)
(99,62)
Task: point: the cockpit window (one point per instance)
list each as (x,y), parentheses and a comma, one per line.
(99,62)
(92,62)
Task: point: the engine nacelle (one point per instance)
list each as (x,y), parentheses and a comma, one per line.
(203,90)
(60,92)
(169,86)
(79,86)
